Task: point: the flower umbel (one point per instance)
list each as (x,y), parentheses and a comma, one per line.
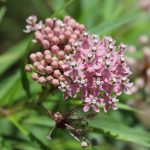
(56,38)
(97,70)
(78,62)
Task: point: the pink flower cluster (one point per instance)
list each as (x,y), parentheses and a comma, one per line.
(78,62)
(98,71)
(57,32)
(141,66)
(56,37)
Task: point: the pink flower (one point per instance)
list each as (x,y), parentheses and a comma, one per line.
(91,102)
(96,67)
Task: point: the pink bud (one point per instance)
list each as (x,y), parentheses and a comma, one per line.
(140,82)
(48,58)
(55,49)
(39,56)
(61,38)
(43,63)
(46,52)
(57,73)
(47,30)
(60,63)
(48,69)
(42,80)
(55,40)
(72,23)
(38,36)
(49,22)
(49,78)
(146,51)
(66,19)
(62,78)
(40,68)
(35,76)
(131,48)
(80,27)
(50,36)
(58,23)
(35,64)
(33,57)
(67,49)
(71,40)
(54,64)
(55,82)
(56,31)
(46,44)
(69,28)
(67,34)
(28,68)
(74,36)
(144,39)
(60,54)
(77,32)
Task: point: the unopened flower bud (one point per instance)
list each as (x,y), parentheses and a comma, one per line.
(55,49)
(55,82)
(39,56)
(146,51)
(46,44)
(28,68)
(144,39)
(54,64)
(40,68)
(42,80)
(35,76)
(67,49)
(61,55)
(49,78)
(55,40)
(48,58)
(49,22)
(57,73)
(48,69)
(33,57)
(84,144)
(47,52)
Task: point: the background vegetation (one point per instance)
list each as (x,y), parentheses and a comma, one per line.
(24,124)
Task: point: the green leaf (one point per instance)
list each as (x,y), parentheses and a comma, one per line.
(116,23)
(15,122)
(36,120)
(24,79)
(118,130)
(61,9)
(42,8)
(12,55)
(2,13)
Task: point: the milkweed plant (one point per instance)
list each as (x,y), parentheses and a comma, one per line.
(80,64)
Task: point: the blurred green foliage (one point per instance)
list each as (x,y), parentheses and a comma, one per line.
(24,124)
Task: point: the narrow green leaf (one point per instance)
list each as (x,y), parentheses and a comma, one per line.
(24,79)
(61,8)
(2,13)
(46,121)
(118,130)
(12,55)
(17,125)
(39,5)
(116,23)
